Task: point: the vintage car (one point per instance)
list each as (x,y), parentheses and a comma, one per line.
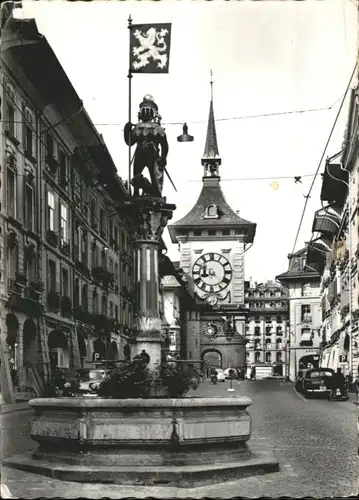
(316,381)
(90,380)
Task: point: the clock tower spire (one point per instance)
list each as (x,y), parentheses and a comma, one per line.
(211,159)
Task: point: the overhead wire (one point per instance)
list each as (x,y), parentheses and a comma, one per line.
(233,118)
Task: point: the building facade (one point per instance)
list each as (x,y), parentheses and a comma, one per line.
(212,240)
(266,327)
(334,252)
(66,266)
(303,338)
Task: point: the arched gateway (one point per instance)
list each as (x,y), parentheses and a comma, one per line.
(212,357)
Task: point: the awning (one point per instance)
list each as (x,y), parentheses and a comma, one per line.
(326,223)
(316,254)
(333,190)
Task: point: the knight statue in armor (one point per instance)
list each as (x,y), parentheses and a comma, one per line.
(151,150)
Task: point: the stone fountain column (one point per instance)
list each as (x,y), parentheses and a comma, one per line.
(151,218)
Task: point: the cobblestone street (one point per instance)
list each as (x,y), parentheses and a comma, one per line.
(314,440)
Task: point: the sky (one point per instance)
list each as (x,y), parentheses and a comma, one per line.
(266,57)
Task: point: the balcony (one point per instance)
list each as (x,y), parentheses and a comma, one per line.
(127,294)
(326,223)
(34,290)
(83,269)
(53,301)
(66,307)
(52,238)
(20,279)
(20,300)
(65,247)
(101,275)
(102,324)
(81,314)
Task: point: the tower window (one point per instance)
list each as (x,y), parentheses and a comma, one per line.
(211,233)
(197,232)
(211,212)
(226,232)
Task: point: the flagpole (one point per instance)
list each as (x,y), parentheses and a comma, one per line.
(129,104)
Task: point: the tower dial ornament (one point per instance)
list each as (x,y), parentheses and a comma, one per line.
(211,330)
(212,272)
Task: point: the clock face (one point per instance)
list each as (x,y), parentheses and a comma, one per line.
(210,330)
(212,272)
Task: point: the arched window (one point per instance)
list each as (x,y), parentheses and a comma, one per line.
(257,356)
(268,357)
(279,357)
(306,290)
(212,211)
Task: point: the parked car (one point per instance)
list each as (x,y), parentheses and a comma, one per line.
(315,381)
(90,380)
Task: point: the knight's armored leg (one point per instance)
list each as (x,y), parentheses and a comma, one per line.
(154,180)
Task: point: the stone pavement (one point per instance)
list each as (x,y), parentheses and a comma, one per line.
(315,442)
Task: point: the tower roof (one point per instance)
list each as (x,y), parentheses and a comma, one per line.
(212,196)
(211,153)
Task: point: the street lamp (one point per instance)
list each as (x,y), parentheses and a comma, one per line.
(185,137)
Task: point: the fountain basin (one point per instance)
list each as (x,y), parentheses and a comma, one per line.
(142,441)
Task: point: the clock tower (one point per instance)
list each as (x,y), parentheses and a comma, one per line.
(212,241)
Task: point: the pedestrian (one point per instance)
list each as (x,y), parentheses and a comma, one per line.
(340,381)
(350,382)
(145,356)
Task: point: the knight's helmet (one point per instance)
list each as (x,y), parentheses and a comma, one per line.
(148,109)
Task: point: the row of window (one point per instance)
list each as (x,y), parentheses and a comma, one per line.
(210,232)
(269,305)
(268,357)
(268,344)
(100,303)
(264,294)
(54,151)
(268,319)
(268,330)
